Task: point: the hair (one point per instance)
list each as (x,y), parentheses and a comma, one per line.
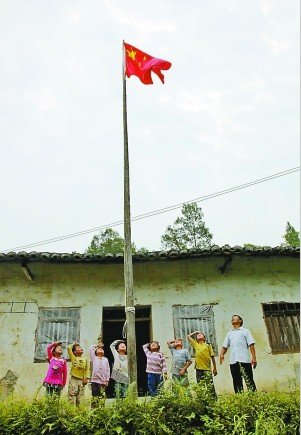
(202,334)
(54,347)
(119,342)
(154,341)
(240,318)
(74,347)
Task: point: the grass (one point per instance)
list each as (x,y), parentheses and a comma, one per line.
(176,410)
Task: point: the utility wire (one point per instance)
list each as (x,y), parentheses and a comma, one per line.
(159,211)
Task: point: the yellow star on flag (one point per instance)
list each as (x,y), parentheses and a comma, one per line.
(131,54)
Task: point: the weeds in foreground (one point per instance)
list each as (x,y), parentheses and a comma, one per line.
(176,410)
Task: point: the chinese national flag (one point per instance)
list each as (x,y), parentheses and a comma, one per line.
(141,64)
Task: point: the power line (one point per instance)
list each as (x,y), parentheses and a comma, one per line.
(159,211)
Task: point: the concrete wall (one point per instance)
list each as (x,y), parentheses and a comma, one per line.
(249,282)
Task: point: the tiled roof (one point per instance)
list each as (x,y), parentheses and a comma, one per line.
(213,251)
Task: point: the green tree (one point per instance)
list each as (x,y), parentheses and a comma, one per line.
(109,241)
(188,231)
(291,236)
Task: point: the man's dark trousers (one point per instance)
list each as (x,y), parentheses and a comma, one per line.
(241,370)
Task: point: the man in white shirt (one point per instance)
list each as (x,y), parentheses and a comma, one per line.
(241,343)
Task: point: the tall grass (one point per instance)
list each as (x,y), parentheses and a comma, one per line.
(176,410)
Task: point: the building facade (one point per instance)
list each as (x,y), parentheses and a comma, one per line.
(48,297)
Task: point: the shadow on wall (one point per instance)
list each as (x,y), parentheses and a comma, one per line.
(7,384)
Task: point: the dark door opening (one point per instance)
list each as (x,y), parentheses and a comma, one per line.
(113,321)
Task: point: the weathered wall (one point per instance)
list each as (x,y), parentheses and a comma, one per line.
(247,284)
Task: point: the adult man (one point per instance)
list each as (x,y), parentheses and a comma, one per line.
(240,342)
(205,364)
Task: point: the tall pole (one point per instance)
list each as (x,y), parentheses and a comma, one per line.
(128,264)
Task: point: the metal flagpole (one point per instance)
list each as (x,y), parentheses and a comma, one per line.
(128,264)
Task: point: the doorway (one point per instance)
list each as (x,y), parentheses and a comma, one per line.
(113,319)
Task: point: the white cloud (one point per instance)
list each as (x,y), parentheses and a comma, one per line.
(75,16)
(138,22)
(266,7)
(164,99)
(45,100)
(277,46)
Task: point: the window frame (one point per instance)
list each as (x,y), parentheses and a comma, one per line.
(280,319)
(200,315)
(60,316)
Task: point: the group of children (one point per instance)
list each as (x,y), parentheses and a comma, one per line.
(100,373)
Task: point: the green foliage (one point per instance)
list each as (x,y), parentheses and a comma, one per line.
(176,410)
(291,236)
(188,231)
(109,241)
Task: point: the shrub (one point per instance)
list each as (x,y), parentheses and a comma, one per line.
(176,410)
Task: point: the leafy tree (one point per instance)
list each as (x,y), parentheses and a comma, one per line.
(291,236)
(109,241)
(188,231)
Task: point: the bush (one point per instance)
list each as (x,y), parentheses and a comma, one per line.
(176,410)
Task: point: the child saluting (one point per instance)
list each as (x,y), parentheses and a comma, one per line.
(100,372)
(120,368)
(155,366)
(56,376)
(79,373)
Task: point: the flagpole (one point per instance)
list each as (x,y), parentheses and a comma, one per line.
(128,264)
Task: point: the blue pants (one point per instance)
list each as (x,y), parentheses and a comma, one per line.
(53,389)
(154,381)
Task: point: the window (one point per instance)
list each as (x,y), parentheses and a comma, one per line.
(282,320)
(56,324)
(190,318)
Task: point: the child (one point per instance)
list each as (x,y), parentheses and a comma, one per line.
(155,366)
(79,373)
(100,372)
(181,360)
(56,376)
(120,368)
(204,359)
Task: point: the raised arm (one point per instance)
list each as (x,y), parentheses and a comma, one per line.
(113,349)
(70,353)
(170,343)
(50,348)
(145,348)
(189,336)
(49,352)
(92,352)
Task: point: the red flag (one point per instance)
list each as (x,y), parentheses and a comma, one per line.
(141,64)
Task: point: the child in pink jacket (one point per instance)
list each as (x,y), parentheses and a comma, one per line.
(56,376)
(100,372)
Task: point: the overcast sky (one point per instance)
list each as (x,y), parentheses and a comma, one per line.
(227,114)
